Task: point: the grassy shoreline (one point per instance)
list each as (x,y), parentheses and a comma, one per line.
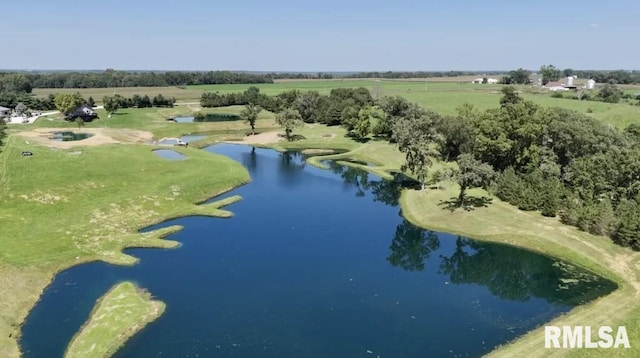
(118,315)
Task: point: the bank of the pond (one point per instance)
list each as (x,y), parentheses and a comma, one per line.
(89,208)
(502,223)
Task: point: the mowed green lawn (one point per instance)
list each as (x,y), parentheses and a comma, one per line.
(63,207)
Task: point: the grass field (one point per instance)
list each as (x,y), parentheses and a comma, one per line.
(442,95)
(117,316)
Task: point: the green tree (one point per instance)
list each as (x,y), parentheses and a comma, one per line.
(393,108)
(362,126)
(610,93)
(519,76)
(509,96)
(67,102)
(416,137)
(111,104)
(308,105)
(471,173)
(550,73)
(91,102)
(2,133)
(456,133)
(250,114)
(551,197)
(289,119)
(79,122)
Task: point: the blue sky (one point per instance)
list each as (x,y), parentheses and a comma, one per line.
(349,35)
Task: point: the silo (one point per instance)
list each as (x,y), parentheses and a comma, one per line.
(569,81)
(591,84)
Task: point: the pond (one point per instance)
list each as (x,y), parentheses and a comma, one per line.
(69,136)
(169,154)
(318,263)
(185,119)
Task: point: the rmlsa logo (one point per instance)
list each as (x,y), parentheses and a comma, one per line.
(580,337)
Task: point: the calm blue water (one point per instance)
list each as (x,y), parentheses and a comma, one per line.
(317,263)
(169,154)
(187,119)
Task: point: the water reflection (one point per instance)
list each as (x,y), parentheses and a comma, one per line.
(412,246)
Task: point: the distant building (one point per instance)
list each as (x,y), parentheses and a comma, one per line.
(5,112)
(84,111)
(491,81)
(591,84)
(556,86)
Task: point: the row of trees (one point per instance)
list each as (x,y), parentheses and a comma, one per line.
(111,78)
(115,102)
(418,74)
(554,160)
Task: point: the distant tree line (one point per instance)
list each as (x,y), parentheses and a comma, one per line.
(24,82)
(419,74)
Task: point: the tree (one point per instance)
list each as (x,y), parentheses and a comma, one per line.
(111,104)
(251,95)
(91,102)
(416,136)
(20,108)
(67,102)
(472,173)
(393,108)
(457,132)
(362,125)
(80,122)
(519,76)
(550,73)
(250,114)
(509,96)
(308,105)
(2,132)
(289,119)
(610,93)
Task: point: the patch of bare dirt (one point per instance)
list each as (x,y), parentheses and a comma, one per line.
(262,138)
(99,136)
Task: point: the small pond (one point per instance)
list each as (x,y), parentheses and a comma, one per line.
(318,263)
(169,154)
(186,119)
(69,136)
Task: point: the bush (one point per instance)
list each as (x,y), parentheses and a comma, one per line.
(557,94)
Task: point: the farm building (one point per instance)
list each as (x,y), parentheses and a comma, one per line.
(491,81)
(85,112)
(5,112)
